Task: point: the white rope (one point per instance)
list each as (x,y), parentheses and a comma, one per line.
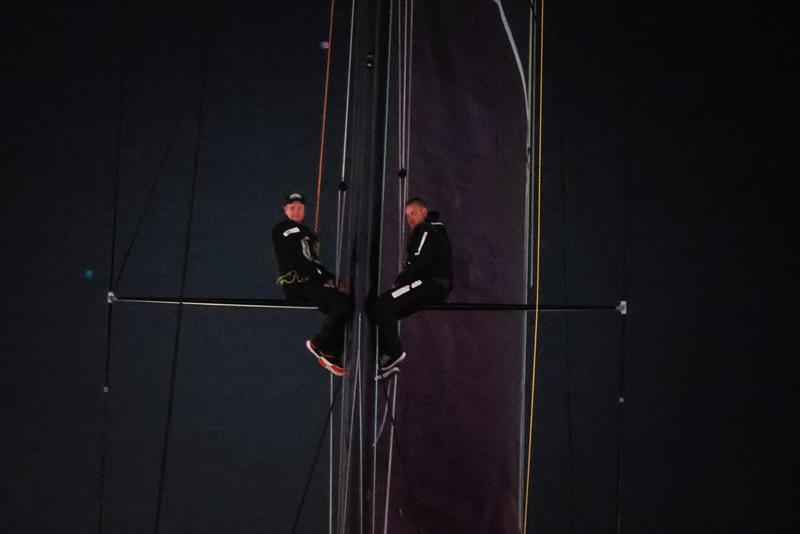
(340,206)
(409,92)
(401,96)
(347,91)
(400,78)
(383,423)
(330,460)
(516,54)
(346,475)
(391,450)
(374,481)
(337,261)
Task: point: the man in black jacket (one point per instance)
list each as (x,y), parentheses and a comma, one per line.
(425,279)
(304,279)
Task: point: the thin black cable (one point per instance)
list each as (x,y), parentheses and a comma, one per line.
(187,246)
(570,450)
(321,441)
(620,421)
(157,179)
(123,46)
(623,326)
(409,496)
(287,304)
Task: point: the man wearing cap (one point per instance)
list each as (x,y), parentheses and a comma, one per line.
(425,279)
(304,279)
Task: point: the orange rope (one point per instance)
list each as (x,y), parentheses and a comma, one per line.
(324,116)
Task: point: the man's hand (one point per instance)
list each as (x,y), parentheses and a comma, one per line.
(339,286)
(343,287)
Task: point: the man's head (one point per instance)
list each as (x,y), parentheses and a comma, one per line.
(294,206)
(416,212)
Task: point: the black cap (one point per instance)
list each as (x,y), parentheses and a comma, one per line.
(294,197)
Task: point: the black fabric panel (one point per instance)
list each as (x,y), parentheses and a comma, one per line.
(467,148)
(456,465)
(460,393)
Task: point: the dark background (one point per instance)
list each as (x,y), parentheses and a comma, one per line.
(668,180)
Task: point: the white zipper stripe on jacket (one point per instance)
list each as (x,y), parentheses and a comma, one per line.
(421,242)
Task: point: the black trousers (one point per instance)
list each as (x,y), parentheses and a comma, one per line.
(336,305)
(399,303)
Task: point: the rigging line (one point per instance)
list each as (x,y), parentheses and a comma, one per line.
(330,460)
(349,446)
(623,326)
(620,422)
(109,314)
(401,459)
(401,65)
(403,133)
(387,492)
(380,237)
(360,464)
(406,88)
(324,116)
(341,197)
(294,305)
(527,283)
(212,24)
(409,92)
(321,441)
(405,83)
(156,180)
(538,263)
(346,445)
(342,419)
(347,90)
(340,205)
(515,51)
(570,449)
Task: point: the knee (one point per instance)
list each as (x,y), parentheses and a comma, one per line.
(343,308)
(381,306)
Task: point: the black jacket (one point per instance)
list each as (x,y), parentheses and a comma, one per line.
(428,253)
(296,249)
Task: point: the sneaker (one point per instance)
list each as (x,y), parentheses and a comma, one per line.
(387,363)
(328,361)
(387,374)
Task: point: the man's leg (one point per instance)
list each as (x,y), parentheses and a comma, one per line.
(338,307)
(400,303)
(386,312)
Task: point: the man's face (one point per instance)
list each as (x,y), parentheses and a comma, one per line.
(295,211)
(415,214)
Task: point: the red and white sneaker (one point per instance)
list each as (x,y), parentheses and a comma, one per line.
(329,362)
